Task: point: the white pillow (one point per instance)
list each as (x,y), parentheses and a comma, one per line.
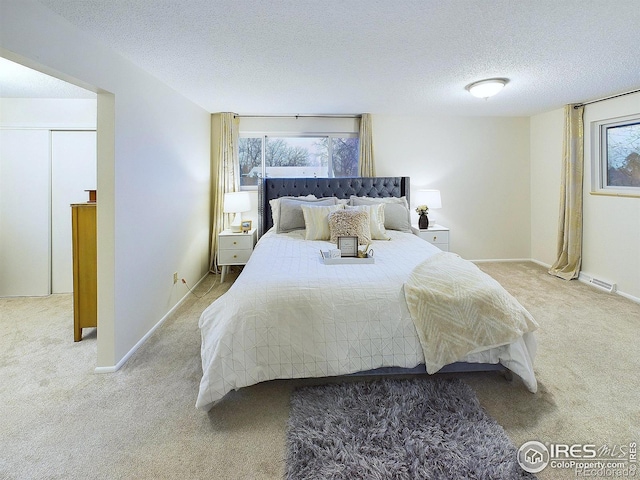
(316,221)
(275,207)
(376,217)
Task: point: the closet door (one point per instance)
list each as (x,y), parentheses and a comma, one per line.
(24,212)
(73,170)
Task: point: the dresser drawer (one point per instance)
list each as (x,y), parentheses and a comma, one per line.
(435,236)
(238,256)
(236,242)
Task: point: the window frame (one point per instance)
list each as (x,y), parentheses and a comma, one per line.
(600,157)
(264,135)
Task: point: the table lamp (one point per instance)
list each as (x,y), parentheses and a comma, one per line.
(236,202)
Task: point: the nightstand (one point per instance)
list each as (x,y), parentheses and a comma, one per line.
(234,249)
(435,234)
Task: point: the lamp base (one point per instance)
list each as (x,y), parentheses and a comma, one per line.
(423,222)
(236,225)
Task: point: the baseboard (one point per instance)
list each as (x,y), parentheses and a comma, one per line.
(542,264)
(533,260)
(629,297)
(488,260)
(123,360)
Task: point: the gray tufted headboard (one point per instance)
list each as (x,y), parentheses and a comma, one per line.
(271,188)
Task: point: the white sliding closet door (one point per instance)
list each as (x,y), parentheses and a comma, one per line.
(24,212)
(73,170)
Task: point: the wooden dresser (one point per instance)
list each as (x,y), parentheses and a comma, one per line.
(85,277)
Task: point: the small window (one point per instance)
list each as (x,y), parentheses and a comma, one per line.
(299,156)
(616,156)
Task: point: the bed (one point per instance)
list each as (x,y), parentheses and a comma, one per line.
(288,315)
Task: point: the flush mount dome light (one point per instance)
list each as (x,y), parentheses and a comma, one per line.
(486,88)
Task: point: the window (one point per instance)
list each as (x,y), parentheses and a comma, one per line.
(297,156)
(616,156)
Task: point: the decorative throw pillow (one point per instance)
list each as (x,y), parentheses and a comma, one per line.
(376,217)
(316,220)
(275,207)
(290,217)
(396,211)
(350,222)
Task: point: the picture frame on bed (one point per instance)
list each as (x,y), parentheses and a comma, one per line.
(246,226)
(348,246)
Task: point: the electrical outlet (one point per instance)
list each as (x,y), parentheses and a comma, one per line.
(175,277)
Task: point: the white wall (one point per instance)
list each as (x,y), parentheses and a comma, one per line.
(48,113)
(546,170)
(153,174)
(611,246)
(611,228)
(481,167)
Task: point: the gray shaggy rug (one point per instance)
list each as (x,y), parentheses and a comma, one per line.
(421,428)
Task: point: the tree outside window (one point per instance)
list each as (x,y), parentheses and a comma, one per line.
(304,156)
(623,155)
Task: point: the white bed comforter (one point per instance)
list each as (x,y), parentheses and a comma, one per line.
(290,316)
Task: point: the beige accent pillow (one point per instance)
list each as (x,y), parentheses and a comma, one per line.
(376,217)
(350,222)
(316,221)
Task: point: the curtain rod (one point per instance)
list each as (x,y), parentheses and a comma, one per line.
(578,105)
(320,115)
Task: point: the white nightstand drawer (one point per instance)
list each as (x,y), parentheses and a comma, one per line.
(242,241)
(235,249)
(435,236)
(238,256)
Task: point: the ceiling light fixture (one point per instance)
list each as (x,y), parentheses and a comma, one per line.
(486,88)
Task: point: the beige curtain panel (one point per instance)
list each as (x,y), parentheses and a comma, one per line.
(569,260)
(225,173)
(366,164)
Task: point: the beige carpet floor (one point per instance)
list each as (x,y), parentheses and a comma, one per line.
(60,420)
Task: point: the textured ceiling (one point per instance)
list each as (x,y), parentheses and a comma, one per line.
(379,56)
(17,81)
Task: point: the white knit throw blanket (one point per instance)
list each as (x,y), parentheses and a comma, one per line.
(458,309)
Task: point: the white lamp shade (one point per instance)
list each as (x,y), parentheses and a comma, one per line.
(430,198)
(236,202)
